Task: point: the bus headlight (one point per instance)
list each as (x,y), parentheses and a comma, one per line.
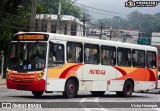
(7,74)
(41,75)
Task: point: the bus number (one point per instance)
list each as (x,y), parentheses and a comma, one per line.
(73,73)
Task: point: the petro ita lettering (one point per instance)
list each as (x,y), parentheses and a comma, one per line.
(97,71)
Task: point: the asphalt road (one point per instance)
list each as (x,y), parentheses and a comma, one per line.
(24,100)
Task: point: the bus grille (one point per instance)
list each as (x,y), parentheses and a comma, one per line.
(24,78)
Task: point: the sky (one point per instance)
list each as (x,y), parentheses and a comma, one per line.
(117,6)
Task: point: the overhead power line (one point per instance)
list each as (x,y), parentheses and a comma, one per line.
(105,14)
(101,10)
(68,8)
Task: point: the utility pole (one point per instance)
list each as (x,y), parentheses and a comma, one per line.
(123,39)
(33,15)
(140,35)
(84,24)
(101,27)
(58,18)
(110,33)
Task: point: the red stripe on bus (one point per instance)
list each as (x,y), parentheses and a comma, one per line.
(64,73)
(122,71)
(152,75)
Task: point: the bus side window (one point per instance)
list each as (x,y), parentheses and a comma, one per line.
(138,58)
(56,53)
(108,55)
(133,62)
(91,53)
(50,57)
(59,53)
(80,57)
(74,52)
(151,59)
(124,57)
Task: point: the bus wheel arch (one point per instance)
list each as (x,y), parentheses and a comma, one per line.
(71,87)
(128,88)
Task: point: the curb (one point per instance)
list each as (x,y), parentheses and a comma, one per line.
(2,81)
(2,84)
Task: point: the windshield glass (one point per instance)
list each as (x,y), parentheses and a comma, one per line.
(29,56)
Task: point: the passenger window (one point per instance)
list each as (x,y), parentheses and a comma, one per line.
(108,55)
(124,57)
(151,59)
(91,54)
(74,52)
(138,58)
(56,53)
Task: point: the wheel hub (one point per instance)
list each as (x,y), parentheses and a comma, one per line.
(71,88)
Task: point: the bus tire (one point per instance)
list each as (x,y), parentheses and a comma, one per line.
(127,89)
(70,89)
(97,93)
(37,93)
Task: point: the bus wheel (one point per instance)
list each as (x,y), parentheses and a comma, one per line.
(37,93)
(97,93)
(70,89)
(127,89)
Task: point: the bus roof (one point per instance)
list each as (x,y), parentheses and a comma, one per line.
(53,36)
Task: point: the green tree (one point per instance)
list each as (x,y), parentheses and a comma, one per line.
(135,20)
(15,14)
(115,22)
(145,23)
(51,7)
(157,22)
(11,18)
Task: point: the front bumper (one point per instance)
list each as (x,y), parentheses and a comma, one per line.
(30,86)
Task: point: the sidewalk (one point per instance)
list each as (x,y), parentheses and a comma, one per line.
(2,81)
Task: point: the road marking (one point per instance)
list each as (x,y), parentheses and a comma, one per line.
(95,100)
(158,109)
(89,100)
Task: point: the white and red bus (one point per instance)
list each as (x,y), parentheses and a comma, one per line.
(46,62)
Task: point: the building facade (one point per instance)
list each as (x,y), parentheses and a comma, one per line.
(68,24)
(115,34)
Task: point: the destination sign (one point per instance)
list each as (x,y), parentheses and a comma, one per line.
(28,37)
(31,37)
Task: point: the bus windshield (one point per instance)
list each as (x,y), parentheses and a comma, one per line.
(27,56)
